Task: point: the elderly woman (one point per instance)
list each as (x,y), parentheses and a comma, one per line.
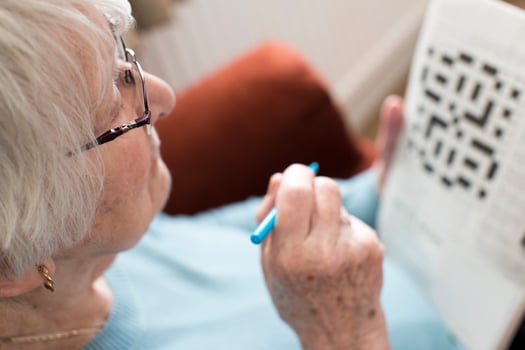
(82,181)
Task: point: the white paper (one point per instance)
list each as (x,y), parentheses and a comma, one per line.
(453,209)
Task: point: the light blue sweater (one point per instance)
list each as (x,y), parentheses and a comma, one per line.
(195,282)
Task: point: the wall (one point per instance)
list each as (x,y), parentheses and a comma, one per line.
(362,48)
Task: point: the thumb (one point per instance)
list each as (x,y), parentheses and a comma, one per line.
(268,200)
(391,122)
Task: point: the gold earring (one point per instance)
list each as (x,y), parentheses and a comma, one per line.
(49,284)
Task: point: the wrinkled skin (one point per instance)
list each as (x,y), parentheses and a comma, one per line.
(325,274)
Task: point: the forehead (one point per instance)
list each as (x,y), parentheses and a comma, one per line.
(107,46)
(97,57)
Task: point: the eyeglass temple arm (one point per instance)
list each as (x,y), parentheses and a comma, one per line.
(110,135)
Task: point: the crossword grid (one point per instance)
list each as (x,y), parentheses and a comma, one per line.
(466,110)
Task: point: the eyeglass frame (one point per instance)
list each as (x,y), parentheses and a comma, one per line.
(145,119)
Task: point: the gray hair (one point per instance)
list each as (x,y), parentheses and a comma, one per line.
(47,108)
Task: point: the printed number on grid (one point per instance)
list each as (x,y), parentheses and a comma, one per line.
(466,109)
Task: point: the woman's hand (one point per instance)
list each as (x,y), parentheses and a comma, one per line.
(391,123)
(323,271)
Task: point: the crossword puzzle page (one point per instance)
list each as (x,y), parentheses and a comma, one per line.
(453,209)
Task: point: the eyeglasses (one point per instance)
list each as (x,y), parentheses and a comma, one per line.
(145,119)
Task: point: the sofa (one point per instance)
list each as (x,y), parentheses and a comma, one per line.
(233,129)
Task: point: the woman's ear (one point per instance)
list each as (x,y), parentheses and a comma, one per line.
(32,278)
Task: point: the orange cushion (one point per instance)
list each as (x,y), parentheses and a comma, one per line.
(232,130)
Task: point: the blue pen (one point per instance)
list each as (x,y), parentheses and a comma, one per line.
(268,222)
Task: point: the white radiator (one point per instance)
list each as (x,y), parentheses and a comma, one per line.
(361,48)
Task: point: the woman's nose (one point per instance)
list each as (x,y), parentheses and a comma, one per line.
(160,96)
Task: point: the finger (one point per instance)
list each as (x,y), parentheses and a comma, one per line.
(391,120)
(268,200)
(390,126)
(295,205)
(326,218)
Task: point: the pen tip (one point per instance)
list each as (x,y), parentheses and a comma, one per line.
(256,239)
(315,167)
